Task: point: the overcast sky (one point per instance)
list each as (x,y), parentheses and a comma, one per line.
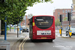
(48,8)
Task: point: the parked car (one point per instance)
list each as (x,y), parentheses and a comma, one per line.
(73,31)
(25,30)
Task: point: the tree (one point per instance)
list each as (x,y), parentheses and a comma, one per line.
(14,9)
(65,19)
(57,22)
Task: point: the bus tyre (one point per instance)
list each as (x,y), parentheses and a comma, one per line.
(51,40)
(32,40)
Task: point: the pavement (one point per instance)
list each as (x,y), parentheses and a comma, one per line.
(12,36)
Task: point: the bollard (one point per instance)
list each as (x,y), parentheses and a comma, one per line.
(60,31)
(70,33)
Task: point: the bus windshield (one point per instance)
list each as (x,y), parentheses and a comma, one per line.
(43,22)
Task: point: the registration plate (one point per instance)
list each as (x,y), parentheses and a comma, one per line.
(44,32)
(43,37)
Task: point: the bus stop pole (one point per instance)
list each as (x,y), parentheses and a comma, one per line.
(10,27)
(5,28)
(20,28)
(14,28)
(17,29)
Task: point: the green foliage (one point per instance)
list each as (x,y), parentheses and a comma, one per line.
(57,22)
(65,19)
(14,9)
(30,15)
(7,28)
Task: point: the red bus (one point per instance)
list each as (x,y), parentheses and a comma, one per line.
(42,27)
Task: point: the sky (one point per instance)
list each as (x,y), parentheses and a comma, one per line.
(48,8)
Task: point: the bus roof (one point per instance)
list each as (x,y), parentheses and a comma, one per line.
(43,15)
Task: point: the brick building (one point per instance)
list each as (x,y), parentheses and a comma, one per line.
(63,12)
(25,20)
(66,24)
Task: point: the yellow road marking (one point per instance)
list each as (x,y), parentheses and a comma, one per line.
(22,44)
(15,43)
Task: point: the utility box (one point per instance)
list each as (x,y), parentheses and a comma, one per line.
(4,45)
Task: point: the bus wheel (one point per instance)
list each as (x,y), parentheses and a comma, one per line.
(32,40)
(51,40)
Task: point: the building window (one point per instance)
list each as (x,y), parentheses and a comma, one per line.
(58,13)
(66,11)
(63,11)
(63,15)
(66,15)
(58,17)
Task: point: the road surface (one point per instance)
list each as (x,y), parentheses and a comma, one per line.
(60,43)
